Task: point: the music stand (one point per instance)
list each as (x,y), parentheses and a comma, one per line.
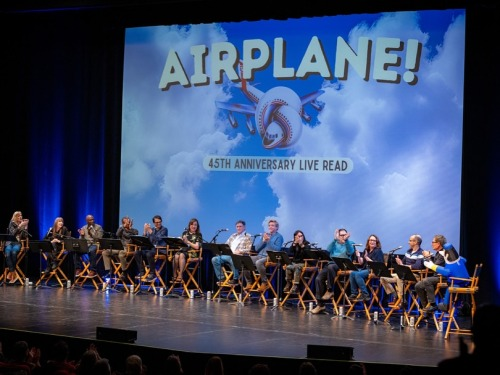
(217,250)
(76,245)
(405,274)
(379,269)
(175,242)
(277,257)
(41,247)
(111,244)
(344,264)
(5,238)
(243,263)
(316,254)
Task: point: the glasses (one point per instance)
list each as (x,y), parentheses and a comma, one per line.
(342,235)
(373,240)
(434,242)
(300,235)
(157,222)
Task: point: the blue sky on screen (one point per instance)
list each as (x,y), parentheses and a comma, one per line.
(404,141)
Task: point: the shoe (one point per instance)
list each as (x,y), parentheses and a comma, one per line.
(430,310)
(318,309)
(443,307)
(150,278)
(78,272)
(328,295)
(46,270)
(366,297)
(287,287)
(233,282)
(352,297)
(263,287)
(92,273)
(53,266)
(220,283)
(295,289)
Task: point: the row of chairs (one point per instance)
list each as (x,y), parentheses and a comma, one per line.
(303,298)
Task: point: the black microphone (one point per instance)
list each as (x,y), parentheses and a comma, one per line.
(357,244)
(257,235)
(223,230)
(397,248)
(314,244)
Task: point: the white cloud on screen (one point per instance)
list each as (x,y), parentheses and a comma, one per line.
(393,190)
(396,188)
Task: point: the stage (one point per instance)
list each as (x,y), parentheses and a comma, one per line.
(220,327)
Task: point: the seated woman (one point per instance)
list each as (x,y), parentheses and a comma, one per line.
(294,269)
(192,238)
(357,279)
(56,234)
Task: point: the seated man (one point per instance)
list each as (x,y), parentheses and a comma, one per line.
(157,237)
(123,234)
(240,243)
(92,232)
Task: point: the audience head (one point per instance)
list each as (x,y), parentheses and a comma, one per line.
(133,365)
(307,368)
(20,351)
(173,365)
(214,366)
(102,367)
(259,369)
(87,362)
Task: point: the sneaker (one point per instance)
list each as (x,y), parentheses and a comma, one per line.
(430,309)
(233,282)
(77,272)
(220,283)
(150,278)
(443,307)
(327,296)
(353,297)
(318,309)
(365,297)
(295,289)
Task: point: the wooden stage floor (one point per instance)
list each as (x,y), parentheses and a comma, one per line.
(201,326)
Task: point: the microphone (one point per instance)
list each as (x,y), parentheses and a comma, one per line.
(223,230)
(257,235)
(357,244)
(397,248)
(314,244)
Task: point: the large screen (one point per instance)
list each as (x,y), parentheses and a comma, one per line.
(351,121)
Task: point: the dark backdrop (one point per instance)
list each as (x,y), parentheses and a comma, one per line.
(61,72)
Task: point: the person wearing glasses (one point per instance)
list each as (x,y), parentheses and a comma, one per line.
(156,236)
(414,259)
(426,287)
(293,270)
(240,243)
(340,247)
(357,279)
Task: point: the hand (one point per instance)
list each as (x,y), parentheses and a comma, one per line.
(428,264)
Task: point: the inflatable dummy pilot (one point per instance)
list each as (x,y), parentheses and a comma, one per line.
(454,267)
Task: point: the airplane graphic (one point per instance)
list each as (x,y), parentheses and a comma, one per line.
(278,113)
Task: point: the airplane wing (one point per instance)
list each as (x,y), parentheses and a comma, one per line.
(246,109)
(310,97)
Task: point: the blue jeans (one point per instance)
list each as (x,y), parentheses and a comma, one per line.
(219,260)
(90,257)
(357,279)
(11,251)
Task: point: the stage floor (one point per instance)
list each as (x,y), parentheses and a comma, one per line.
(223,327)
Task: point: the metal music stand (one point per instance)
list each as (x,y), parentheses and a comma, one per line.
(40,247)
(406,274)
(344,264)
(316,254)
(277,257)
(4,238)
(111,244)
(217,250)
(379,269)
(76,245)
(243,263)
